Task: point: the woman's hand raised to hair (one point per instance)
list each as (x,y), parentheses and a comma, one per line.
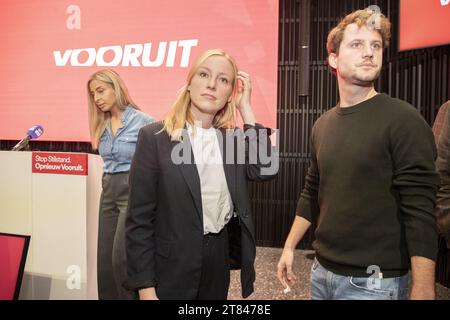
(243,98)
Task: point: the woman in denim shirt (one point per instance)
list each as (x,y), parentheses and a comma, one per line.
(114,121)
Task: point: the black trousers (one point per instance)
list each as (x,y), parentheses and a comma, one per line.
(111,255)
(215,276)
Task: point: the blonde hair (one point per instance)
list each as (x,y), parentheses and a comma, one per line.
(179,114)
(360,17)
(98,120)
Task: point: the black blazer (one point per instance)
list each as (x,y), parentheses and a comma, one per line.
(164,226)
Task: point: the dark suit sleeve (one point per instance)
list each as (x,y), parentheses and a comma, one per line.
(261,157)
(140,240)
(441,130)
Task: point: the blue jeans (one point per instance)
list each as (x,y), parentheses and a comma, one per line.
(326,285)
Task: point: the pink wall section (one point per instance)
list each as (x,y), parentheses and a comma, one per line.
(35,90)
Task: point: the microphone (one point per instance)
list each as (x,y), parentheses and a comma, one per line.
(33,133)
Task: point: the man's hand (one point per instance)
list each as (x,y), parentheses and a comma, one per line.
(284,268)
(148,294)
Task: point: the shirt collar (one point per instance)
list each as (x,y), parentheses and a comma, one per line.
(199,131)
(126,114)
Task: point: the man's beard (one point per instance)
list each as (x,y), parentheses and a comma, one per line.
(367,81)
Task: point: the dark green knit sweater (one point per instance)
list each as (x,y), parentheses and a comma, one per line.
(372,178)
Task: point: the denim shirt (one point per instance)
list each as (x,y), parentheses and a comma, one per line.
(117,152)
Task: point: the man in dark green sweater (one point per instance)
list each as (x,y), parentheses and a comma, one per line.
(371,183)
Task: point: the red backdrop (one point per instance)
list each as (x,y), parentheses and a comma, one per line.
(424,23)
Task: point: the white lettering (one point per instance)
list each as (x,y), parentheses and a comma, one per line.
(59,159)
(146,61)
(171,54)
(89,62)
(47,166)
(72,168)
(190,310)
(129,55)
(101,56)
(61,60)
(187,45)
(41,159)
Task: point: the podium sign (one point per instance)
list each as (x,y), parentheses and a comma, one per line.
(60,163)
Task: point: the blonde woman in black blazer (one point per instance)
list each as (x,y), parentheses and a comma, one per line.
(189,220)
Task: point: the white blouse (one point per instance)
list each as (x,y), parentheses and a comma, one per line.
(217,205)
